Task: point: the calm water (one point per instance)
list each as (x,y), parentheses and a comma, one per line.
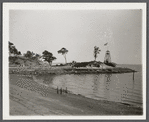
(111,87)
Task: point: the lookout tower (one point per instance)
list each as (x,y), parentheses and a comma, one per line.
(107,58)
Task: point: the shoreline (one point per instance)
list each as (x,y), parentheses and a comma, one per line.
(70,70)
(26,94)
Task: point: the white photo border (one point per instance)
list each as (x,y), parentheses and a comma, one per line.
(68,6)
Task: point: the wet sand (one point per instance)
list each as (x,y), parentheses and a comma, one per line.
(28,97)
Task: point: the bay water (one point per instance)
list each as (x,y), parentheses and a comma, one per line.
(111,87)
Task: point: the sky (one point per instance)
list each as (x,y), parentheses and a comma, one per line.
(79,31)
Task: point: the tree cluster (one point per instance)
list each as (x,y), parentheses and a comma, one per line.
(47,56)
(13,50)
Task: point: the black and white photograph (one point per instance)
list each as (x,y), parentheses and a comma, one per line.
(74,61)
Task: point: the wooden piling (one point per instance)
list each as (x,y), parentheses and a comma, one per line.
(66,90)
(133,75)
(57,91)
(61,91)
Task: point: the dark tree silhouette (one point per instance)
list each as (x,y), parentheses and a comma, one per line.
(73,63)
(37,55)
(28,54)
(47,56)
(19,53)
(96,52)
(11,47)
(13,50)
(63,51)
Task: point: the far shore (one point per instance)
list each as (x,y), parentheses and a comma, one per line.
(31,98)
(68,70)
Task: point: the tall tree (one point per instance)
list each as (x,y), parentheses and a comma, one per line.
(96,52)
(47,56)
(63,51)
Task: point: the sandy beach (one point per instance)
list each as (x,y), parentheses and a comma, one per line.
(31,98)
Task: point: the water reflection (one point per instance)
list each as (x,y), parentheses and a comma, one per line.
(44,79)
(107,86)
(111,87)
